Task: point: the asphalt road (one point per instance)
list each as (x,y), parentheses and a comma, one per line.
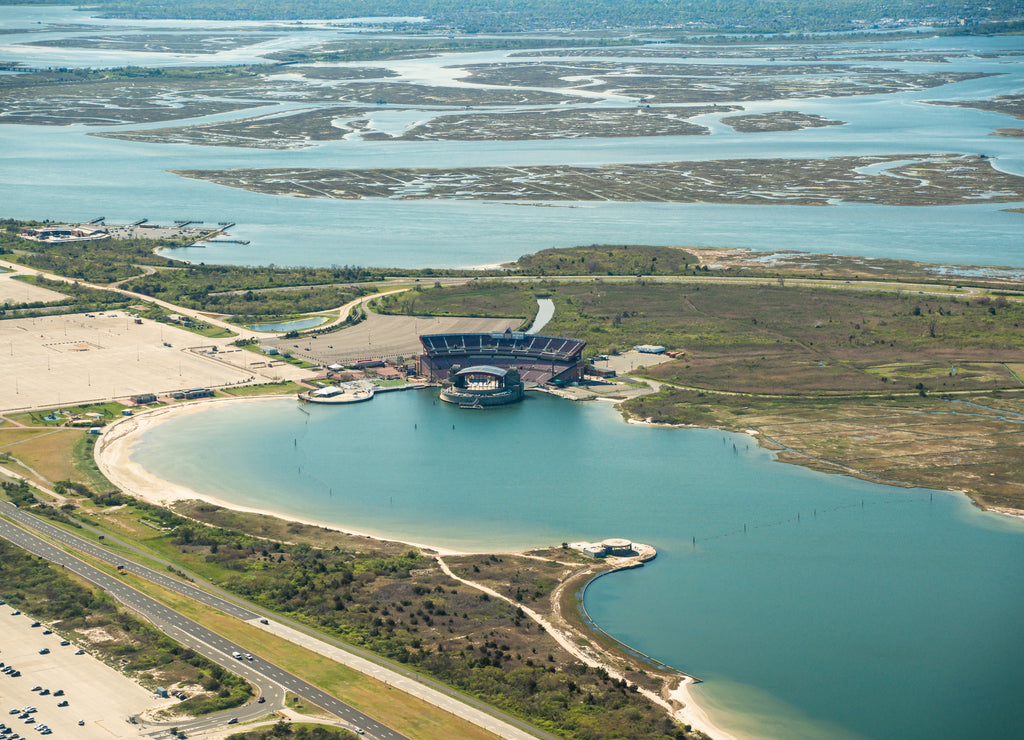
(467,707)
(271,680)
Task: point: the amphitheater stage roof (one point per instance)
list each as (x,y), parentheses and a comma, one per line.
(484,369)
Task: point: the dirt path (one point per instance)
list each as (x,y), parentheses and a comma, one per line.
(679,705)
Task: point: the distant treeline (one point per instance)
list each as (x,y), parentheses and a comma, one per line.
(530,15)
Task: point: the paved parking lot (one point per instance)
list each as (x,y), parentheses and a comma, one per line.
(382,337)
(17,291)
(64,360)
(96,693)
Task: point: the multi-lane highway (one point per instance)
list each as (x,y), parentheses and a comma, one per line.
(467,708)
(271,680)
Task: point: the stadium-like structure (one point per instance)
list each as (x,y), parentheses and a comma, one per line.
(537,359)
(482,385)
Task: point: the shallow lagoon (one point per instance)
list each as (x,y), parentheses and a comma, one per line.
(846,609)
(881,613)
(53,172)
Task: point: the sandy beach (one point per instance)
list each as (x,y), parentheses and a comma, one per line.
(113,457)
(693,714)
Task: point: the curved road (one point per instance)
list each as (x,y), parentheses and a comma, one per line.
(271,679)
(467,708)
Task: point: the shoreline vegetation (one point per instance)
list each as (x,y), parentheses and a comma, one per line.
(894,180)
(767,343)
(896,372)
(698,18)
(663,686)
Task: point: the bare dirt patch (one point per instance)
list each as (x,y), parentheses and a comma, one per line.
(18,291)
(382,336)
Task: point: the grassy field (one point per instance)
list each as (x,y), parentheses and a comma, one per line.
(49,453)
(101,413)
(264,389)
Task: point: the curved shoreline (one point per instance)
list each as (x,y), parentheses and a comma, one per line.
(112,455)
(690,711)
(113,458)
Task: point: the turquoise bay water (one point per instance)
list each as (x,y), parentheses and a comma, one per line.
(847,609)
(879,613)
